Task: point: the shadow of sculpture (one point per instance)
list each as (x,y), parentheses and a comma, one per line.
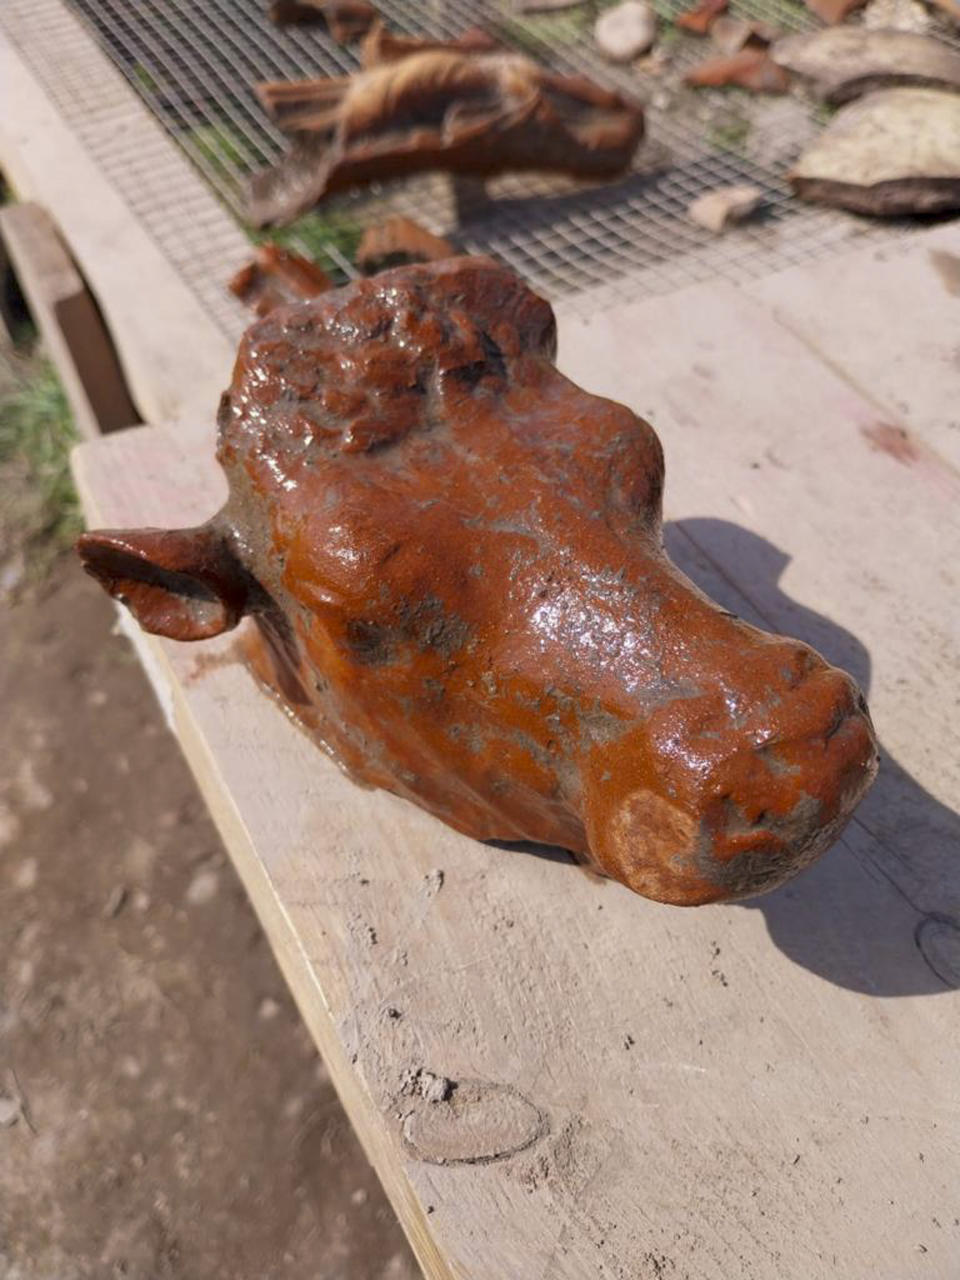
(880,912)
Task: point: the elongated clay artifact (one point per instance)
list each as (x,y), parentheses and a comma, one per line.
(463,112)
(452,559)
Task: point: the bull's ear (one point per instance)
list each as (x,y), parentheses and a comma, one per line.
(181,583)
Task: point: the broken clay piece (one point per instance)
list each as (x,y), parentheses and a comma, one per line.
(846,62)
(466,113)
(889,154)
(700,19)
(730,35)
(276,276)
(833,11)
(626,31)
(750,68)
(381,46)
(452,558)
(718,209)
(398,240)
(345,19)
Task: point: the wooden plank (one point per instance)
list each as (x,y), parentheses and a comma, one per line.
(175,357)
(755,1091)
(67,317)
(889,316)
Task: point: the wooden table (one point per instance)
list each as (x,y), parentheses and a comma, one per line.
(768,1090)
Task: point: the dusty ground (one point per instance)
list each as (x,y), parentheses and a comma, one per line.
(163,1112)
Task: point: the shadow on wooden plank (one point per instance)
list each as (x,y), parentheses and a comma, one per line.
(822,920)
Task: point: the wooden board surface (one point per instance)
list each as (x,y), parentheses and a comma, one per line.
(74,335)
(768,1091)
(889,316)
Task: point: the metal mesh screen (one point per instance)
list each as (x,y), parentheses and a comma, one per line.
(194,63)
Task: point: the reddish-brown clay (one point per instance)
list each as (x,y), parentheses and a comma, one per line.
(397,240)
(751,68)
(381,46)
(460,111)
(702,16)
(276,276)
(453,559)
(346,19)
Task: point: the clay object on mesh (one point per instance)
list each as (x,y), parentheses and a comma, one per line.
(397,240)
(750,68)
(452,558)
(276,276)
(472,113)
(889,154)
(381,46)
(346,20)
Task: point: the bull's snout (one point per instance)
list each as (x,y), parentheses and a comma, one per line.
(730,792)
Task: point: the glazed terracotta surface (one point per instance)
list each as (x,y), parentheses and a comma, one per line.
(453,559)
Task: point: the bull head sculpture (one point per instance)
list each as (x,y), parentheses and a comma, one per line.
(452,557)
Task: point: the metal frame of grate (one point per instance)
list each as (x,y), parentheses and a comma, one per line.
(194,64)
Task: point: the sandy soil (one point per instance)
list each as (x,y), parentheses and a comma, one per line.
(163,1112)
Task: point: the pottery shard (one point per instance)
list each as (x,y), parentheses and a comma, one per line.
(381,46)
(625,31)
(896,15)
(849,61)
(452,562)
(751,69)
(477,113)
(346,19)
(277,276)
(398,240)
(833,11)
(730,35)
(891,153)
(716,210)
(699,20)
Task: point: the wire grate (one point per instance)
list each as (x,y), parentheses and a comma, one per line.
(194,64)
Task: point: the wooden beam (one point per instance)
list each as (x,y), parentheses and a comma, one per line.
(71,326)
(86,170)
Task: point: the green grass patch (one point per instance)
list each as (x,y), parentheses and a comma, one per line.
(314,234)
(220,147)
(729,134)
(36,435)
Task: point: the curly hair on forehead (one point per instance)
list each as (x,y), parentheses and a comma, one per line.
(364,363)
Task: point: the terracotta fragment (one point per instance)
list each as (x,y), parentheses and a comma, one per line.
(888,154)
(397,240)
(466,113)
(452,558)
(699,19)
(850,61)
(346,19)
(751,69)
(276,276)
(718,209)
(730,35)
(833,11)
(381,46)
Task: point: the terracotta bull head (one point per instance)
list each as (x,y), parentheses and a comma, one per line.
(453,559)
